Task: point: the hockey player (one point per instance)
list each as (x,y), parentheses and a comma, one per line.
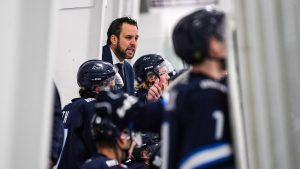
(147,70)
(112,145)
(194,114)
(152,76)
(92,76)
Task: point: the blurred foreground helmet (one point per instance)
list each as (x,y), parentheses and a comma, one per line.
(104,130)
(147,63)
(94,72)
(191,34)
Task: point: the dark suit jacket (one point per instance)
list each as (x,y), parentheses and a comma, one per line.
(128,71)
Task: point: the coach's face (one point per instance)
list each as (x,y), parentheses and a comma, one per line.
(127,41)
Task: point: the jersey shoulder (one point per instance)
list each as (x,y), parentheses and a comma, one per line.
(102,162)
(77,106)
(197,92)
(202,82)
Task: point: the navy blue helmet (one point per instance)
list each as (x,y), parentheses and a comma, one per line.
(104,130)
(191,34)
(94,72)
(145,64)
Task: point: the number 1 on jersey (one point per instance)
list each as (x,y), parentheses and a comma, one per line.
(219,117)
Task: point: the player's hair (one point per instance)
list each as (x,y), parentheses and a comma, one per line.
(143,85)
(87,93)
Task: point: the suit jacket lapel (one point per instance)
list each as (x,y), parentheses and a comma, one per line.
(106,55)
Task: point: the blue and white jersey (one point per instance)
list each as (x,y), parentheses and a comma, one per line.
(99,161)
(194,122)
(197,128)
(79,144)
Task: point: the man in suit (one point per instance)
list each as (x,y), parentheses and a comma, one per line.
(122,37)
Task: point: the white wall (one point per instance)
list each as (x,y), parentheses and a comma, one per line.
(26,87)
(75,33)
(155,29)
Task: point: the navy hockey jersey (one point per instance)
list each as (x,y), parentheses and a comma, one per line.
(132,164)
(99,161)
(198,122)
(79,145)
(141,94)
(195,124)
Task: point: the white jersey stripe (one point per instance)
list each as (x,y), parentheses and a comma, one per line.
(165,144)
(207,156)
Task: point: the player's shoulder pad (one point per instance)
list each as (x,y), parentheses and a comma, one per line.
(83,101)
(79,103)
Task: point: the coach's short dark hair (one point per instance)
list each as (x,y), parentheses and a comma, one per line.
(116,25)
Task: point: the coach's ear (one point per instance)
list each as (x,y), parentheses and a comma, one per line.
(114,39)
